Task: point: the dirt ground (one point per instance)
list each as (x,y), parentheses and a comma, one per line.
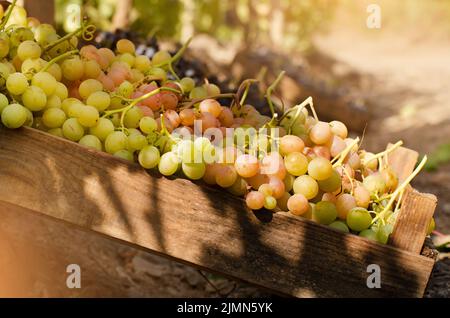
(405,80)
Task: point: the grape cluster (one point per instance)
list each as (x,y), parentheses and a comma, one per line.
(137,108)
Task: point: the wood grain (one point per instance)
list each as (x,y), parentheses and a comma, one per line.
(402,160)
(197,225)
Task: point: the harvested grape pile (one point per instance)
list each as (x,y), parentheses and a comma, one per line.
(139,109)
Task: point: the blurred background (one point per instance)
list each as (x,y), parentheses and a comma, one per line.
(387,82)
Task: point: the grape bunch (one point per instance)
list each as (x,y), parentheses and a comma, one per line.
(138,108)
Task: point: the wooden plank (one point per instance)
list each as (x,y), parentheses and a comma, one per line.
(201,226)
(43,10)
(402,160)
(412,222)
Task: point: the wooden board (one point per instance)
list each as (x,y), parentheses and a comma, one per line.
(201,226)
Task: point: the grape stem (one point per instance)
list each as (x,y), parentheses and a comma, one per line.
(84,28)
(270,89)
(8,15)
(177,56)
(58,58)
(387,151)
(343,154)
(400,189)
(307,101)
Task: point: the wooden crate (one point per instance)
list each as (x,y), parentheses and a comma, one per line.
(208,228)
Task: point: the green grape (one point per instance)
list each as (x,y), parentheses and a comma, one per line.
(45,81)
(324,212)
(136,141)
(369,234)
(149,157)
(56,132)
(4,73)
(160,57)
(17,83)
(61,91)
(89,86)
(100,100)
(74,110)
(115,119)
(239,187)
(34,98)
(54,118)
(375,183)
(211,89)
(187,84)
(31,66)
(58,49)
(132,117)
(383,233)
(72,129)
(29,50)
(55,71)
(91,141)
(42,32)
(116,141)
(19,35)
(125,89)
(198,92)
(142,63)
(18,17)
(270,202)
(307,186)
(193,171)
(14,116)
(53,102)
(88,116)
(127,58)
(147,125)
(124,154)
(3,102)
(332,183)
(92,69)
(4,45)
(158,72)
(320,168)
(133,131)
(103,128)
(296,163)
(72,68)
(339,225)
(168,164)
(359,219)
(288,182)
(67,103)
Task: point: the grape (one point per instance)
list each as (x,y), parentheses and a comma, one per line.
(17,83)
(210,173)
(207,121)
(124,154)
(4,45)
(147,125)
(383,233)
(14,116)
(19,35)
(296,163)
(100,100)
(330,197)
(127,58)
(320,168)
(226,117)
(258,179)
(339,225)
(125,89)
(375,183)
(132,117)
(136,142)
(290,144)
(18,17)
(239,187)
(42,32)
(247,166)
(31,66)
(358,219)
(211,89)
(339,129)
(88,116)
(307,186)
(172,117)
(53,102)
(187,117)
(210,106)
(56,132)
(168,164)
(298,204)
(320,133)
(72,129)
(226,176)
(337,146)
(4,73)
(362,196)
(142,63)
(265,189)
(273,165)
(324,212)
(344,203)
(34,98)
(74,110)
(277,186)
(116,141)
(390,178)
(92,69)
(369,163)
(3,102)
(288,182)
(198,92)
(72,68)
(161,57)
(270,203)
(283,200)
(255,200)
(194,171)
(158,73)
(53,118)
(29,50)
(187,84)
(369,234)
(322,151)
(89,86)
(91,141)
(45,81)
(331,184)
